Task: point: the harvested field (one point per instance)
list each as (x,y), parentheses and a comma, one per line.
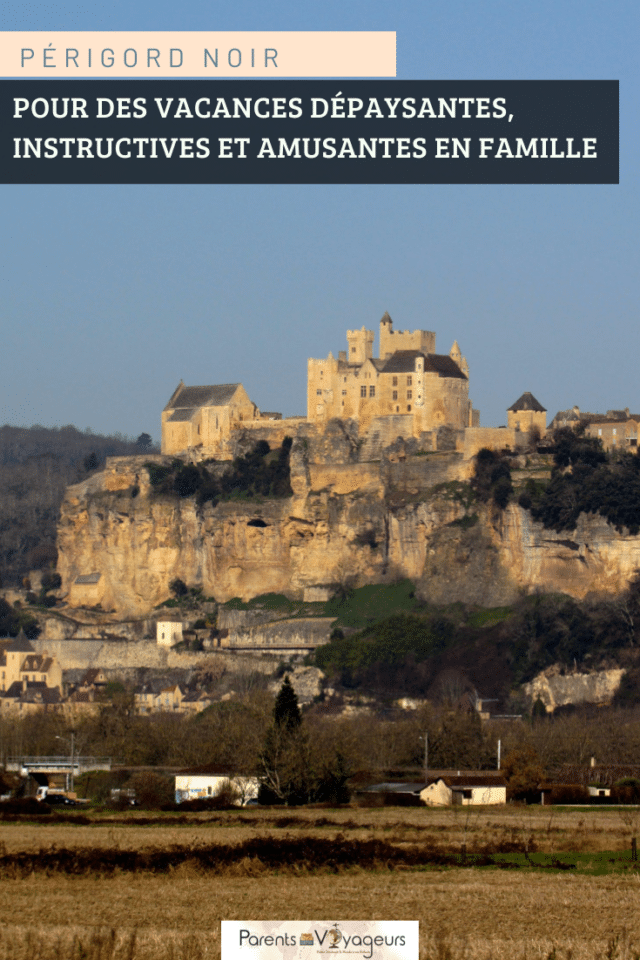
(136,912)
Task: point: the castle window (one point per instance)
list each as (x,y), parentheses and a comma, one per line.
(353,349)
(372,391)
(344,379)
(409,394)
(409,381)
(408,407)
(318,393)
(344,393)
(363,391)
(395,381)
(322,373)
(395,394)
(397,409)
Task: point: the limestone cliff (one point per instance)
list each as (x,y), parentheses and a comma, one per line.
(347,521)
(557,688)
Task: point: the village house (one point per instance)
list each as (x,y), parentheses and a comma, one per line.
(617,429)
(169,632)
(207,786)
(19,663)
(154,697)
(465,789)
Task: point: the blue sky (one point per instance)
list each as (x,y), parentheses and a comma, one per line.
(112,294)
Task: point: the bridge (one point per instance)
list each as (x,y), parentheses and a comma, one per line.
(62,765)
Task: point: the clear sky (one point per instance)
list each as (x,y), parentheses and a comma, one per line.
(112,294)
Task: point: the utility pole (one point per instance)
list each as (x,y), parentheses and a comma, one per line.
(426,757)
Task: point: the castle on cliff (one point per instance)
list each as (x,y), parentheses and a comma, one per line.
(409,381)
(409,391)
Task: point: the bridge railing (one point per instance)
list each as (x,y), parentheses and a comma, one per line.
(58,763)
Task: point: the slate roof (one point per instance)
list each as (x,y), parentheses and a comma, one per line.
(527,402)
(214,395)
(181,415)
(37,663)
(37,692)
(395,787)
(403,361)
(20,644)
(88,578)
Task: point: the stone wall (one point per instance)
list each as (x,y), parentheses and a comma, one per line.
(120,657)
(299,634)
(495,438)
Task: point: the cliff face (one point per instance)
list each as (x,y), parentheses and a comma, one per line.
(347,522)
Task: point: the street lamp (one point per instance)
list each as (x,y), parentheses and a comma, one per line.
(72,741)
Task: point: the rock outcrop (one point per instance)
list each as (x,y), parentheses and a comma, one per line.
(556,688)
(348,522)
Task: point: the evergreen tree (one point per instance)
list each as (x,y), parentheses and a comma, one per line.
(286,713)
(284,768)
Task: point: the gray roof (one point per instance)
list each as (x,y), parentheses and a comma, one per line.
(181,415)
(88,578)
(442,364)
(214,395)
(396,787)
(404,361)
(20,644)
(527,402)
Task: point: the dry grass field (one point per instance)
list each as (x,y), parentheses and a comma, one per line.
(170,909)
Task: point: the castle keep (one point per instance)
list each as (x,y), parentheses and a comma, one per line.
(408,380)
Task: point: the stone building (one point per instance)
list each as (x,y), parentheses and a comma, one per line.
(409,380)
(200,419)
(29,681)
(527,415)
(617,429)
(19,663)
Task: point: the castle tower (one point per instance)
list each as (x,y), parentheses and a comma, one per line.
(360,345)
(391,341)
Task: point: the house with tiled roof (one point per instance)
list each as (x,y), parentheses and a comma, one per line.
(616,429)
(465,789)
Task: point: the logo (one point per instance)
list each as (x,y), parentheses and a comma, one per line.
(306,939)
(335,936)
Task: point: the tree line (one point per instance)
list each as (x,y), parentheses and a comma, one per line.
(37,464)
